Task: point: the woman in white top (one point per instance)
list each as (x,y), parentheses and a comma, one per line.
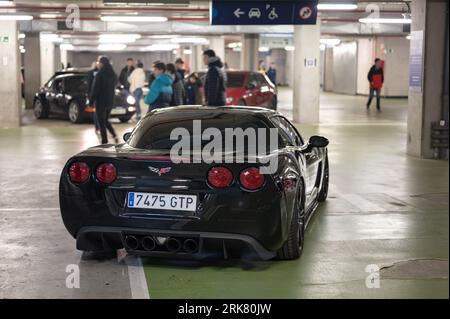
(137,82)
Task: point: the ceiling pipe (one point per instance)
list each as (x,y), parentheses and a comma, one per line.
(133,9)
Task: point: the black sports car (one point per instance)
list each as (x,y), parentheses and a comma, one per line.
(66,94)
(135,195)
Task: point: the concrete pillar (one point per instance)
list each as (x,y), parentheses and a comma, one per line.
(32,67)
(306,73)
(425,101)
(64,57)
(217,43)
(250,52)
(10,92)
(57,58)
(47,60)
(196,58)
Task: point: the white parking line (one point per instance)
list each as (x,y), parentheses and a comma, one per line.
(136,275)
(27,209)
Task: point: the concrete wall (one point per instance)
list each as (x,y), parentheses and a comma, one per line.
(366,49)
(233,58)
(345,68)
(328,71)
(395,52)
(47,61)
(10,106)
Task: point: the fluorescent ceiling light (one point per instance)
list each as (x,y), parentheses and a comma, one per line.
(385,20)
(330,42)
(66,47)
(289,48)
(264,49)
(123,18)
(22,36)
(21,47)
(408,37)
(337,6)
(187,51)
(15,17)
(162,47)
(163,36)
(23,51)
(190,40)
(111,47)
(48,15)
(118,38)
(6,3)
(322,47)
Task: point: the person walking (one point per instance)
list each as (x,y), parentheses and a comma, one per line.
(376,80)
(193,89)
(102,97)
(125,73)
(137,82)
(179,64)
(272,73)
(90,81)
(177,85)
(215,81)
(160,93)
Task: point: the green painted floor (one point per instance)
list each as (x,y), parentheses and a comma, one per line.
(384,207)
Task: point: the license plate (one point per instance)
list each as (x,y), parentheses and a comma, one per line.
(162,201)
(118,110)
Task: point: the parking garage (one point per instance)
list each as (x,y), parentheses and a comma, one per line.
(383,230)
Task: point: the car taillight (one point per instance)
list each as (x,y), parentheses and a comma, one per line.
(220,177)
(79,172)
(106,173)
(251,179)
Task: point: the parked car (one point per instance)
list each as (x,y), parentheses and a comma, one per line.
(134,195)
(248,88)
(66,94)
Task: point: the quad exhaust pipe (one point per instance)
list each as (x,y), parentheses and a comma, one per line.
(148,243)
(173,245)
(190,246)
(132,242)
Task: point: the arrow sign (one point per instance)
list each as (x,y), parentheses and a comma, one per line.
(238,13)
(264,12)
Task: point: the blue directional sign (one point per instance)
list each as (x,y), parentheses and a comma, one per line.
(263,12)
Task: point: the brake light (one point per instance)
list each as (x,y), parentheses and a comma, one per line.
(79,172)
(106,173)
(251,179)
(220,177)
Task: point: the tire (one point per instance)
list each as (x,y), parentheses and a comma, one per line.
(124,119)
(242,103)
(274,103)
(74,113)
(323,194)
(40,110)
(293,246)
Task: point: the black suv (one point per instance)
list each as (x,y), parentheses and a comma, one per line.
(66,93)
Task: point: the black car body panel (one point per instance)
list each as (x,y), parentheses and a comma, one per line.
(66,87)
(95,213)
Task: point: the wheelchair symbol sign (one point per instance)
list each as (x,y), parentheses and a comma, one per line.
(273,14)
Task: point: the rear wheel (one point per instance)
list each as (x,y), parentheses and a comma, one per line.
(74,112)
(293,246)
(242,103)
(40,110)
(323,194)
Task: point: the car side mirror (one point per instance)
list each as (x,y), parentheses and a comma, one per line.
(318,141)
(126,136)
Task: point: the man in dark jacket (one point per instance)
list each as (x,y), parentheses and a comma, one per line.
(102,97)
(125,73)
(177,85)
(215,81)
(179,64)
(376,80)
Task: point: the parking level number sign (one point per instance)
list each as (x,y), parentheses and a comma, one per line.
(263,12)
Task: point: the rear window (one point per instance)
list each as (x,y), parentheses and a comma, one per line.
(154,133)
(235,80)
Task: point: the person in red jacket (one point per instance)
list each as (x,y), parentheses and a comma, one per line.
(376,79)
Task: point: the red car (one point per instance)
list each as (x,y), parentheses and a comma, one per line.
(249,88)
